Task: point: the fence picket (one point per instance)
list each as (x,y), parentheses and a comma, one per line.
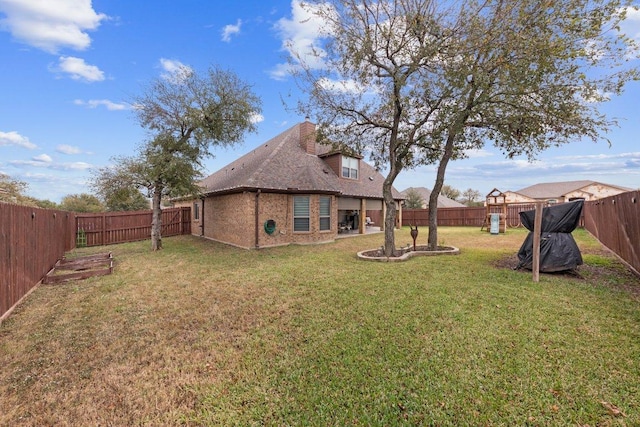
(615,222)
(33,239)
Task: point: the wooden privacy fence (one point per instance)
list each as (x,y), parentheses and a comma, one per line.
(31,241)
(121,227)
(615,222)
(464,216)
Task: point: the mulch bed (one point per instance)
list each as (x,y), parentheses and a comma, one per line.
(402,251)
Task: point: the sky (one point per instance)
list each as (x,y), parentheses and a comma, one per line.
(71,68)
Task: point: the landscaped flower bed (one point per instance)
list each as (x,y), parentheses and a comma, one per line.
(403,254)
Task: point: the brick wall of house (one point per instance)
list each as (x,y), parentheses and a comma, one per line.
(231,219)
(315,235)
(333,162)
(279,207)
(276,207)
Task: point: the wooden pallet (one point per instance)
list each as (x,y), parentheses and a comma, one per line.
(80,268)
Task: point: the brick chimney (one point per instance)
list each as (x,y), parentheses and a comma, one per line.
(308,136)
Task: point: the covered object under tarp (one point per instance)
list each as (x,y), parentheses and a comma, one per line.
(558,249)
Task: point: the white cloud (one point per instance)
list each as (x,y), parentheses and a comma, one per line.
(50,24)
(94,103)
(45,158)
(301,37)
(230,30)
(345,86)
(76,166)
(79,70)
(39,162)
(282,71)
(631,28)
(35,163)
(478,153)
(14,138)
(67,149)
(174,70)
(631,25)
(257,118)
(630,155)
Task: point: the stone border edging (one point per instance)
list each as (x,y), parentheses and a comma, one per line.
(451,250)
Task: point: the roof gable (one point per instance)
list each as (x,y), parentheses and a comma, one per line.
(425,194)
(282,164)
(551,190)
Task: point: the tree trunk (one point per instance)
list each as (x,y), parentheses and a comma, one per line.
(432,242)
(156,222)
(390,217)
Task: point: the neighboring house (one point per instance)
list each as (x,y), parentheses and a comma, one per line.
(289,190)
(559,192)
(425,193)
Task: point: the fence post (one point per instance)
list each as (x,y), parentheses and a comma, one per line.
(537,225)
(104,229)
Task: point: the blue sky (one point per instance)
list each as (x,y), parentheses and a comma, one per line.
(70,69)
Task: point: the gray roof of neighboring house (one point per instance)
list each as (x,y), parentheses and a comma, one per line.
(282,165)
(550,190)
(425,193)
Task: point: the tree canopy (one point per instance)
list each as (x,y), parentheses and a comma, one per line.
(186,114)
(11,190)
(117,191)
(450,192)
(413,199)
(421,81)
(81,203)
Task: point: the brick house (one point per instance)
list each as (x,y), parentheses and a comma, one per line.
(564,191)
(289,190)
(425,194)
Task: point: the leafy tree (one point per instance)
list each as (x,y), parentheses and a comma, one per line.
(470,196)
(450,192)
(12,190)
(81,203)
(413,199)
(116,190)
(421,81)
(46,204)
(186,115)
(126,199)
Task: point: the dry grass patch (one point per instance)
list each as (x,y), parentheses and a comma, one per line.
(130,348)
(205,334)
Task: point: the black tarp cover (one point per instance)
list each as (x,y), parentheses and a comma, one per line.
(558,249)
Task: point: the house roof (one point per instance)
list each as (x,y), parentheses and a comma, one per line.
(282,165)
(550,190)
(425,194)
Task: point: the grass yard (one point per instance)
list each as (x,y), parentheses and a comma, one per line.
(206,334)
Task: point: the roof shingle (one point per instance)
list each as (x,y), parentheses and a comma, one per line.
(552,190)
(282,165)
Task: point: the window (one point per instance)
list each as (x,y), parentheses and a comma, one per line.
(325,213)
(349,167)
(196,211)
(301,213)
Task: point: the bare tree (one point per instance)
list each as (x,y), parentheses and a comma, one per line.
(470,196)
(422,81)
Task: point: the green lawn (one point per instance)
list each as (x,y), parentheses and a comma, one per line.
(205,334)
